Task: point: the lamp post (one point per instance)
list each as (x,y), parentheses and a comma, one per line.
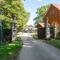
(14,27)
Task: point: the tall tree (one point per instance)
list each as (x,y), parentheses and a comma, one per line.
(40,13)
(10,7)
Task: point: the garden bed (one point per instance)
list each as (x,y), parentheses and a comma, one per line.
(10,49)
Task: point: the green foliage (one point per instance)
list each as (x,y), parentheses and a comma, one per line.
(7,50)
(40,13)
(54,42)
(16,7)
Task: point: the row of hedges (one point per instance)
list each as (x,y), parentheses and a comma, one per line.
(7,50)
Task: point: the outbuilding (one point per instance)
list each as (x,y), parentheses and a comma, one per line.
(52,19)
(40,30)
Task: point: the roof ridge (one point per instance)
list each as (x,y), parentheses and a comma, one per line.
(56,5)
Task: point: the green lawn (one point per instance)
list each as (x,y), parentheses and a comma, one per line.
(54,42)
(7,50)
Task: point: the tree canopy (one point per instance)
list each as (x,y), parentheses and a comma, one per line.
(40,13)
(9,7)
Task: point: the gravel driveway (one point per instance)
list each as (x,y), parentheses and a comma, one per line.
(37,50)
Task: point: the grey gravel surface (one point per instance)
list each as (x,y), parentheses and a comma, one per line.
(37,50)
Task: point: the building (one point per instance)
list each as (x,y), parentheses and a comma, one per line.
(52,19)
(51,23)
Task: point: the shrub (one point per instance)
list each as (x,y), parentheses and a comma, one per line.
(9,49)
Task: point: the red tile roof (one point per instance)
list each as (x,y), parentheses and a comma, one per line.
(40,25)
(56,5)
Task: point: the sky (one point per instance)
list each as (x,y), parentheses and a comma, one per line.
(32,5)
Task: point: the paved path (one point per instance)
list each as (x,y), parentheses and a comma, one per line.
(37,50)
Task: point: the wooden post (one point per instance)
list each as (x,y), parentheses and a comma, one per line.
(47,29)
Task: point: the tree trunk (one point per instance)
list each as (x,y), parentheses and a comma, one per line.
(1,32)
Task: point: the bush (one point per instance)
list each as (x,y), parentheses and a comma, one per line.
(34,35)
(7,50)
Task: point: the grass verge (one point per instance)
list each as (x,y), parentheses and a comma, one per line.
(54,42)
(9,49)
